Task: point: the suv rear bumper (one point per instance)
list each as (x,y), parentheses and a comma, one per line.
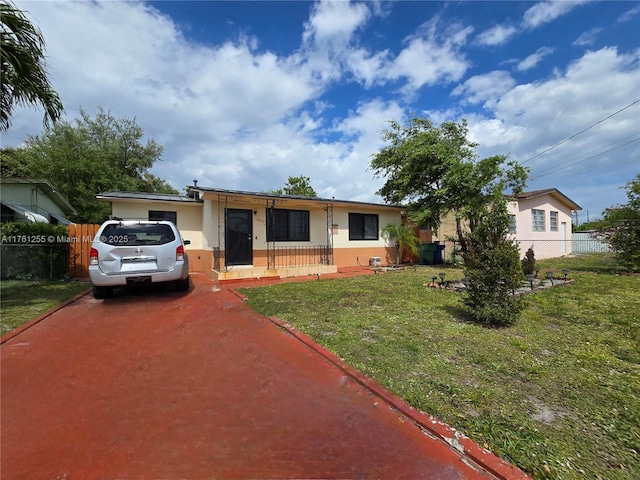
(101,279)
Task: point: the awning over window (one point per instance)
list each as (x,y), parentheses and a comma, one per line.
(25,212)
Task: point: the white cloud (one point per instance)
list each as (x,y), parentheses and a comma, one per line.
(327,38)
(486,88)
(335,22)
(497,35)
(532,117)
(532,60)
(587,38)
(629,14)
(548,11)
(433,56)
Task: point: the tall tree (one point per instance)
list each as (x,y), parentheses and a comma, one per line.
(87,157)
(296,186)
(435,170)
(620,227)
(23,71)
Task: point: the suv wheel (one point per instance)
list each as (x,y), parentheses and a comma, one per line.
(102,292)
(182,285)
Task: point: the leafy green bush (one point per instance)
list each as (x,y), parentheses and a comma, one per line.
(492,265)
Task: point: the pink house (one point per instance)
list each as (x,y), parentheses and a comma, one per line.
(542,219)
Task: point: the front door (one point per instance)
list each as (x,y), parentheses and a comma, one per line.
(238,242)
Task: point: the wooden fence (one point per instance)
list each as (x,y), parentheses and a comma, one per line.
(80,239)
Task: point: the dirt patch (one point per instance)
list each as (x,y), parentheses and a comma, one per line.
(545,414)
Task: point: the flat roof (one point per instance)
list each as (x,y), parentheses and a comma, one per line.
(274,196)
(158,197)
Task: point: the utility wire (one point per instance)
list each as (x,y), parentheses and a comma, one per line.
(619,162)
(580,132)
(588,158)
(582,155)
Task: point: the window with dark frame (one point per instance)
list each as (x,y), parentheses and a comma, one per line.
(512,224)
(160,215)
(287,225)
(363,226)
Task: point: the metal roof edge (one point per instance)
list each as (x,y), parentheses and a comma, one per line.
(142,196)
(266,195)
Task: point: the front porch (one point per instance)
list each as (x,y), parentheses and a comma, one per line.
(276,262)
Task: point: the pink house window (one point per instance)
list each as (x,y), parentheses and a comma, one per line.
(537,220)
(553,221)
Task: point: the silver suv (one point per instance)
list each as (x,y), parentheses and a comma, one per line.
(135,252)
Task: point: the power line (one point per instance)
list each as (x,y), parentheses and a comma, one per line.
(618,163)
(580,132)
(598,151)
(584,160)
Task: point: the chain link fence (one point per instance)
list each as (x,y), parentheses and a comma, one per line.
(579,243)
(32,261)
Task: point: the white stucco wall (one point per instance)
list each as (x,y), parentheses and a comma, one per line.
(317,224)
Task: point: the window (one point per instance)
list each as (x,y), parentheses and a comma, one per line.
(287,225)
(512,224)
(137,234)
(553,221)
(363,226)
(159,215)
(537,220)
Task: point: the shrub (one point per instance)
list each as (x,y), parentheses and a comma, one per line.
(492,265)
(529,262)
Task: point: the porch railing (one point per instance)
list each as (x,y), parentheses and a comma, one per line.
(286,256)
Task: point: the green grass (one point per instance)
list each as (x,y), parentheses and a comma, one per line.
(558,394)
(22,300)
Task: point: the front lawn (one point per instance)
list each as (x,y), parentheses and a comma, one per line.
(558,394)
(22,300)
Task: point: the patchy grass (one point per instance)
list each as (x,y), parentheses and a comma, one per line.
(557,394)
(22,300)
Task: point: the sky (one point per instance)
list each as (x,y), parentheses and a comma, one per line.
(244,94)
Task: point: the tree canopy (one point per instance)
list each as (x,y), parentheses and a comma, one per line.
(23,72)
(88,157)
(435,170)
(296,186)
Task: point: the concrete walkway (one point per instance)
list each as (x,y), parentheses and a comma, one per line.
(161,384)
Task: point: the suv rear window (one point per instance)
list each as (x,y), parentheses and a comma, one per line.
(137,234)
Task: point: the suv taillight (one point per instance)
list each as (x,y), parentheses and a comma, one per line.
(180,253)
(93,257)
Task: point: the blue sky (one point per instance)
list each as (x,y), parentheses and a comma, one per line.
(242,95)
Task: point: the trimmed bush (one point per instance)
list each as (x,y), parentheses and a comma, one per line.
(529,262)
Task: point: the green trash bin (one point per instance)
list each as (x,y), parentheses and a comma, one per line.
(427,253)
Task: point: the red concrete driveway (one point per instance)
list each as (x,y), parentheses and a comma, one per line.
(162,384)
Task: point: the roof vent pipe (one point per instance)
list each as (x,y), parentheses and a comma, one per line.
(195,183)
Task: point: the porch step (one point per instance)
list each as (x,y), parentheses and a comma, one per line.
(246,273)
